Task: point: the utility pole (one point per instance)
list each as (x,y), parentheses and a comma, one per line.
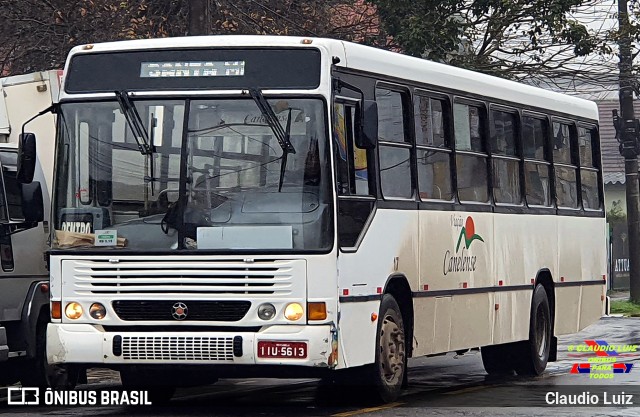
(200,17)
(627,128)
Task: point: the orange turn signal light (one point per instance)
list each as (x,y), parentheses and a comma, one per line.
(56,309)
(316,311)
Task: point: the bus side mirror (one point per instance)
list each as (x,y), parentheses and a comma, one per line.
(32,203)
(368,132)
(26,157)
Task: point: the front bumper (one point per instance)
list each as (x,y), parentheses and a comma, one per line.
(89,344)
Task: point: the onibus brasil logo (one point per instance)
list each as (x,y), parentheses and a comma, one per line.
(462,261)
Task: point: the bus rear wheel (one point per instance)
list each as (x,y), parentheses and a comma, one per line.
(535,351)
(388,371)
(497,359)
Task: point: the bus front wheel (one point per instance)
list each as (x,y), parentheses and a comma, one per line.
(535,351)
(390,357)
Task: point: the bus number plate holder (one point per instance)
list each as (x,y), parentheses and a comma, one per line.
(282,350)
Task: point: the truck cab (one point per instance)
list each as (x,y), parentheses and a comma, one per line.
(24,204)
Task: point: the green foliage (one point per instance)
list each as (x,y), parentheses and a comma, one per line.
(617,213)
(511,39)
(625,307)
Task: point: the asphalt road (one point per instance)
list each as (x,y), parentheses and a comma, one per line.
(450,385)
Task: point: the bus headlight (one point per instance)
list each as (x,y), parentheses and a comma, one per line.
(73,311)
(293,311)
(97,311)
(266,311)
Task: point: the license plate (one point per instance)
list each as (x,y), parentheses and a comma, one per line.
(272,349)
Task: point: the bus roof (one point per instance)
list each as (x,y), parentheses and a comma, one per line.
(374,60)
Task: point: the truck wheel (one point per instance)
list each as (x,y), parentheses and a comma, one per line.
(36,372)
(535,351)
(390,357)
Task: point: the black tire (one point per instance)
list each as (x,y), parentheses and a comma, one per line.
(497,359)
(155,383)
(36,372)
(9,373)
(390,366)
(535,351)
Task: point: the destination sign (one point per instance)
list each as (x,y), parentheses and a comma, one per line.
(192,69)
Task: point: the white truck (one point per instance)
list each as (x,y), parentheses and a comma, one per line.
(24,277)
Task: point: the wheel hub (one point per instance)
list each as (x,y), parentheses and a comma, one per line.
(392,351)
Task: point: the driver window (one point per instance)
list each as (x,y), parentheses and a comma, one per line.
(351,162)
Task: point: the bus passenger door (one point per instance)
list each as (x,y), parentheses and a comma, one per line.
(356,198)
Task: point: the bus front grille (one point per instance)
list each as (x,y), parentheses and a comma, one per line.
(191,277)
(166,310)
(177,348)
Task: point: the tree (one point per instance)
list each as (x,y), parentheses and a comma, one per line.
(511,39)
(199,17)
(38,34)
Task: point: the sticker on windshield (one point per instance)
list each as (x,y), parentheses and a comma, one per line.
(106,238)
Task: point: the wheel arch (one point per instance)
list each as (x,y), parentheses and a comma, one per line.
(34,313)
(397,285)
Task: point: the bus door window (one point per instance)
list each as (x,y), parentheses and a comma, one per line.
(471,156)
(536,161)
(355,197)
(591,197)
(505,161)
(433,148)
(395,145)
(565,168)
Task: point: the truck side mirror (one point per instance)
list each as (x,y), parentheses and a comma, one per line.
(367,136)
(26,157)
(32,203)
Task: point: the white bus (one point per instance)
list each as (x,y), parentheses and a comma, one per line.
(282,206)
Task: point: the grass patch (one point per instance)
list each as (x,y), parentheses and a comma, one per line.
(625,307)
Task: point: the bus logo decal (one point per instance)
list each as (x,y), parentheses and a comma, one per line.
(469,234)
(462,260)
(179,311)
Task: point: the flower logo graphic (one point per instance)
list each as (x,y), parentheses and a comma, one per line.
(469,234)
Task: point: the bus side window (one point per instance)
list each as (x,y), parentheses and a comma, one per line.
(536,165)
(505,162)
(433,149)
(395,145)
(589,168)
(471,156)
(565,168)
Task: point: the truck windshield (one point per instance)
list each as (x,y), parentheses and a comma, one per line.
(212,178)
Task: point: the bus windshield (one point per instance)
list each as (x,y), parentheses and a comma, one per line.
(206,174)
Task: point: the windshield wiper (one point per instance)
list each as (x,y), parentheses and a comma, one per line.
(140,134)
(135,123)
(282,136)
